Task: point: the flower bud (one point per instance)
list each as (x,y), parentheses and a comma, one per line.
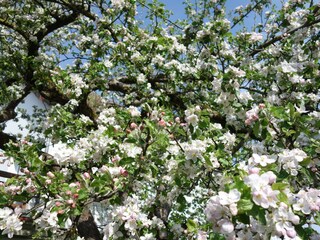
(115,159)
(48,182)
(291,233)
(162,123)
(68,192)
(254,170)
(69,201)
(86,175)
(50,175)
(247,122)
(133,126)
(124,172)
(60,211)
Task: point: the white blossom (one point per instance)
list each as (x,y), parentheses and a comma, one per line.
(134,111)
(118,4)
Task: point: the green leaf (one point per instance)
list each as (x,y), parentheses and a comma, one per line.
(283,197)
(279,186)
(208,162)
(259,214)
(3,200)
(307,174)
(83,194)
(244,205)
(244,218)
(192,225)
(256,129)
(303,232)
(317,218)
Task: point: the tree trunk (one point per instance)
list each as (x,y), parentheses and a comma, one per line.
(86,226)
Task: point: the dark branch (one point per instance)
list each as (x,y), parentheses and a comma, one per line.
(7,174)
(60,22)
(14,28)
(87,227)
(9,113)
(245,15)
(4,139)
(282,36)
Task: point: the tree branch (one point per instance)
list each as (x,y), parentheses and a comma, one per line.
(60,22)
(86,226)
(79,9)
(5,174)
(282,36)
(5,138)
(9,113)
(14,28)
(245,15)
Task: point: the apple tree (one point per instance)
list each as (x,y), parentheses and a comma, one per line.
(202,128)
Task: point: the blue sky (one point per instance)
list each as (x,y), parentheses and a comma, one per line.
(177,6)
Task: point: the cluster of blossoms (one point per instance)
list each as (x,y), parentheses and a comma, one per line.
(307,201)
(194,150)
(188,126)
(47,220)
(228,139)
(118,4)
(277,202)
(131,217)
(191,116)
(220,209)
(290,160)
(282,218)
(10,221)
(253,114)
(63,154)
(78,84)
(262,192)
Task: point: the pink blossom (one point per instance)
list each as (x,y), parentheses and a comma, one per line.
(262,106)
(48,181)
(123,172)
(50,175)
(86,175)
(133,126)
(69,201)
(226,226)
(162,123)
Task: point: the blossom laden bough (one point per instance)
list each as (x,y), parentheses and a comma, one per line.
(204,128)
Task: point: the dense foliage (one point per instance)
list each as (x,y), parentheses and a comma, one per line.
(202,128)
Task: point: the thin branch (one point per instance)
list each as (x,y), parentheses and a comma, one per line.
(60,22)
(245,15)
(166,19)
(9,113)
(79,9)
(14,28)
(5,174)
(4,139)
(282,36)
